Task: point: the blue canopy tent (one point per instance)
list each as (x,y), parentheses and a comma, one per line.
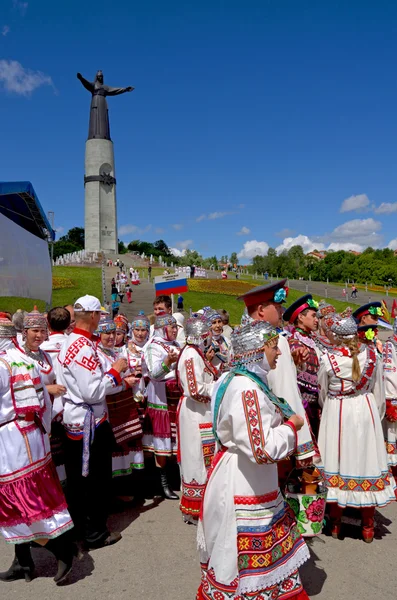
(18,202)
(25,265)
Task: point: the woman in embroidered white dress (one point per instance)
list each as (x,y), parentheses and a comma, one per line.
(123,414)
(35,332)
(140,328)
(32,504)
(354,460)
(390,378)
(163,394)
(196,443)
(220,344)
(249,544)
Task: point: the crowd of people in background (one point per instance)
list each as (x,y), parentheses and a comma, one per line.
(90,401)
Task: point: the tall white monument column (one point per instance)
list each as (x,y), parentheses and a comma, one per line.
(99,178)
(100,197)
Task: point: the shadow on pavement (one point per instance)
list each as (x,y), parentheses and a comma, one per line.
(313,576)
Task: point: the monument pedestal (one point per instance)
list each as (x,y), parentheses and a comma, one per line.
(100,197)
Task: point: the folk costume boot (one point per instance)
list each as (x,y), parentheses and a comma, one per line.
(368,523)
(167,491)
(64,551)
(336,513)
(22,566)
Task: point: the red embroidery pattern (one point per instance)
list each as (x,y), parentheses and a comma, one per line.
(207,442)
(254,425)
(91,363)
(357,484)
(74,349)
(250,500)
(192,382)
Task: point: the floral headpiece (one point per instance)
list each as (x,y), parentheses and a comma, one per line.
(163,320)
(211,314)
(7,329)
(35,320)
(375,311)
(248,342)
(141,321)
(121,323)
(105,325)
(324,309)
(367,333)
(281,295)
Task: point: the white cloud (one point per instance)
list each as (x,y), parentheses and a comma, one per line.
(386,208)
(244,231)
(357,203)
(358,231)
(177,252)
(59,230)
(5,29)
(183,245)
(253,248)
(159,230)
(128,229)
(15,78)
(219,215)
(215,215)
(21,7)
(177,226)
(345,246)
(392,244)
(307,244)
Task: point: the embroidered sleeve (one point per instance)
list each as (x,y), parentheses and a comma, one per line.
(268,444)
(154,358)
(196,388)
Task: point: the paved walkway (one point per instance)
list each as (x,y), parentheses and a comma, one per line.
(142,295)
(157,560)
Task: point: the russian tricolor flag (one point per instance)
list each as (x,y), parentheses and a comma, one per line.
(170,284)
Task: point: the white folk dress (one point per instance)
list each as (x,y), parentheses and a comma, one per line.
(32,504)
(390,378)
(249,544)
(196,442)
(47,364)
(125,422)
(354,460)
(283,383)
(162,399)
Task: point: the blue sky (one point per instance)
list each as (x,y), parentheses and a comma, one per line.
(253,124)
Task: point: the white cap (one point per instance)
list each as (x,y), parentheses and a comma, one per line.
(179,318)
(87,303)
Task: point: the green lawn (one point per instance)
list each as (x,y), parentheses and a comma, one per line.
(86,280)
(235,308)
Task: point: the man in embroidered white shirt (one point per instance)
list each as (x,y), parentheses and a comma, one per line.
(89,437)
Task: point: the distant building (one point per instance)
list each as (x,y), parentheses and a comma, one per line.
(317,255)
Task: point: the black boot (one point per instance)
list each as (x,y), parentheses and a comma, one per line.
(22,565)
(167,491)
(64,551)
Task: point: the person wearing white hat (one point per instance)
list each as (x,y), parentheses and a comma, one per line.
(89,437)
(181,337)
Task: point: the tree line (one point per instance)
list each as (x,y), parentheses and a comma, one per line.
(372,266)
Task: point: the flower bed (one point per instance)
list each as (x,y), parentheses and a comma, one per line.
(220,286)
(62,283)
